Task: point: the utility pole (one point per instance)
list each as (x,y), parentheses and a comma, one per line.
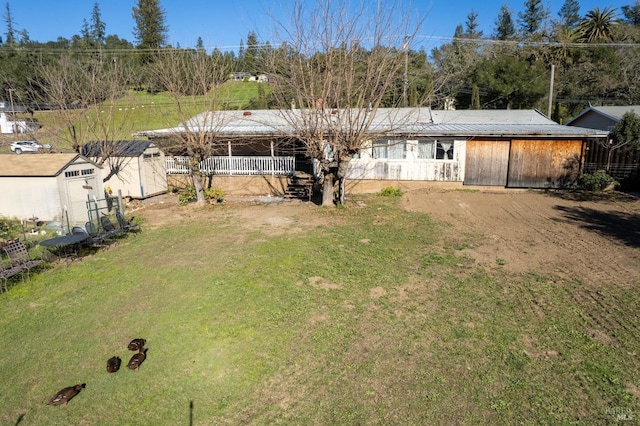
(13,114)
(405,83)
(553,68)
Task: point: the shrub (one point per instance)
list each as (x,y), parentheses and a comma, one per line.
(214,194)
(188,196)
(596,181)
(10,228)
(390,191)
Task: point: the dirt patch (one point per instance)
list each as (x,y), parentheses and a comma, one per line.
(593,240)
(272,218)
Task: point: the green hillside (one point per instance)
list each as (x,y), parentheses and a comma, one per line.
(135,112)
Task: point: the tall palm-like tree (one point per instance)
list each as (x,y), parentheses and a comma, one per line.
(597,25)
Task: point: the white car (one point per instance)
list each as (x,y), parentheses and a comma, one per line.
(27,146)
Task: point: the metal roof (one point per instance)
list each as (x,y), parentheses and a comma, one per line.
(398,121)
(38,165)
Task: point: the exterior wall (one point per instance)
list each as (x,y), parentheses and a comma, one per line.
(127,180)
(487,162)
(18,126)
(544,163)
(26,197)
(411,167)
(141,177)
(239,185)
(374,186)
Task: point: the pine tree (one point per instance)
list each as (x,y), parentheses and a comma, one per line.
(532,17)
(251,53)
(471,26)
(631,13)
(505,29)
(569,13)
(85,33)
(11,32)
(97,27)
(150,31)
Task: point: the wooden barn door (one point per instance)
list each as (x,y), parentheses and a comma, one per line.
(544,163)
(486,163)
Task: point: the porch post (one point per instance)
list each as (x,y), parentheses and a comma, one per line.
(273,166)
(230,155)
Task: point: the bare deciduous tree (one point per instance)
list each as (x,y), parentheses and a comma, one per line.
(192,78)
(336,64)
(88,98)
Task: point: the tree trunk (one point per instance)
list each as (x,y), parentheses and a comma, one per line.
(196,177)
(341,177)
(341,191)
(197,184)
(327,189)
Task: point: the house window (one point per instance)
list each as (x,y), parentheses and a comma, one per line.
(87,172)
(438,149)
(426,149)
(72,173)
(390,149)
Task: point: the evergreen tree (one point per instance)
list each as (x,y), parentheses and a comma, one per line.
(241,56)
(200,45)
(97,27)
(150,31)
(505,29)
(85,33)
(251,54)
(532,17)
(11,32)
(569,14)
(471,26)
(631,13)
(24,37)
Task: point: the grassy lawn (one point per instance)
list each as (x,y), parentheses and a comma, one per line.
(370,318)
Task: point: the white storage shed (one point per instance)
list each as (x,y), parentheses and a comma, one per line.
(50,187)
(140,165)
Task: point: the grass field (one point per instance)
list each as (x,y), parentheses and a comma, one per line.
(361,315)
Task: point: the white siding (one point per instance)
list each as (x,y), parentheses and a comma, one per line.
(140,177)
(25,197)
(411,167)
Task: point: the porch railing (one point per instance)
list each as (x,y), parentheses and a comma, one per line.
(225,165)
(177,165)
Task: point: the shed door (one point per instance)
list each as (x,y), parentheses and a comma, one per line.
(79,190)
(487,163)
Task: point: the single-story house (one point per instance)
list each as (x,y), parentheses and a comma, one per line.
(138,166)
(49,187)
(10,124)
(509,148)
(624,163)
